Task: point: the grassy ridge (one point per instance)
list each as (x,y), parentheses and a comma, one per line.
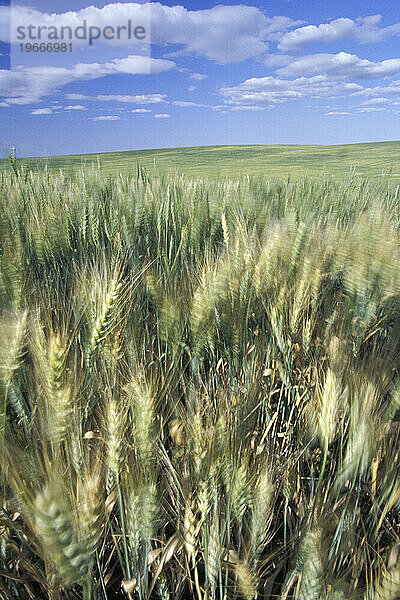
(274,161)
(199,388)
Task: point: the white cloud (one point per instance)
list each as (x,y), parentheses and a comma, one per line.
(372,109)
(75,107)
(198,76)
(338,113)
(340,66)
(162,116)
(130,99)
(222,33)
(380,90)
(191,88)
(4,105)
(42,111)
(25,85)
(188,104)
(78,97)
(248,108)
(377,101)
(277,60)
(270,91)
(105,118)
(140,110)
(363,29)
(138,99)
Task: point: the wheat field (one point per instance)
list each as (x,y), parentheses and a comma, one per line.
(199,387)
(275,161)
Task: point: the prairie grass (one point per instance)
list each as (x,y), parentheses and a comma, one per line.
(199,387)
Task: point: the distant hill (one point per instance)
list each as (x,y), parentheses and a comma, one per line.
(276,161)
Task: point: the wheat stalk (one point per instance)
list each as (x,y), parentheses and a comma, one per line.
(58,537)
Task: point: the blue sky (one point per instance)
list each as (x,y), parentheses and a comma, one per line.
(291,72)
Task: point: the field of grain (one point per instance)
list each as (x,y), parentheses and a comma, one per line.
(199,386)
(381,159)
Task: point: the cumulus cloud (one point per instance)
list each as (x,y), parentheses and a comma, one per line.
(25,85)
(140,110)
(363,29)
(162,116)
(341,66)
(391,88)
(222,33)
(270,91)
